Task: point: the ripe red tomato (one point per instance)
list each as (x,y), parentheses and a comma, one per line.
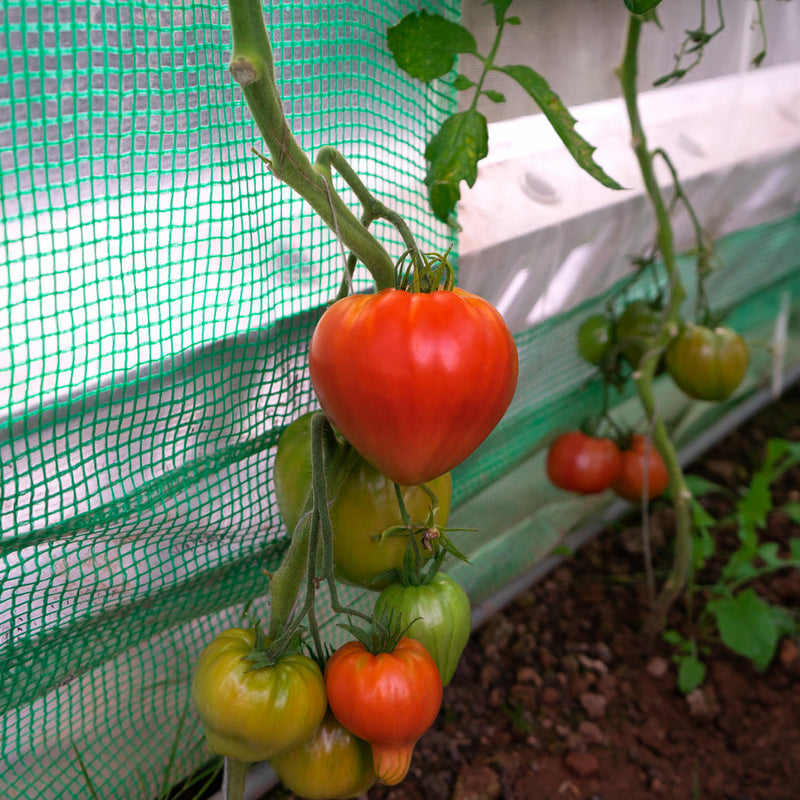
(414,381)
(630,482)
(581,463)
(707,364)
(388,699)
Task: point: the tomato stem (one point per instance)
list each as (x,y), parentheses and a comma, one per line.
(679,574)
(234,778)
(252,67)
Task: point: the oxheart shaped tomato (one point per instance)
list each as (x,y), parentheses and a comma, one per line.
(707,364)
(387,699)
(414,381)
(333,764)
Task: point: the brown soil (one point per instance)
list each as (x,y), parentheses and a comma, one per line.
(559,696)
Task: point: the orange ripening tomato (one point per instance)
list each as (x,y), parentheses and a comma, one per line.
(388,699)
(630,482)
(414,381)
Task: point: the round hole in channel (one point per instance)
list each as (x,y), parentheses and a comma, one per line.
(539,189)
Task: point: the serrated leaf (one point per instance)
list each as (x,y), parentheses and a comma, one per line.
(559,117)
(495,97)
(691,673)
(640,6)
(426,45)
(748,626)
(453,155)
(500,8)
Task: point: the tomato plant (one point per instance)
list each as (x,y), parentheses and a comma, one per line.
(581,463)
(252,712)
(415,381)
(333,764)
(440,615)
(707,364)
(387,698)
(595,336)
(630,482)
(365,505)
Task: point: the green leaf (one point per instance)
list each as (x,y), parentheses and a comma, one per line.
(691,673)
(792,510)
(756,503)
(513,21)
(703,544)
(559,117)
(500,8)
(425,45)
(748,625)
(462,82)
(640,6)
(495,97)
(453,153)
(794,548)
(700,486)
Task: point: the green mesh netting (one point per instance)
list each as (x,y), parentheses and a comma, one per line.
(160,288)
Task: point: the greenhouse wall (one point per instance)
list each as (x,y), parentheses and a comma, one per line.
(161,287)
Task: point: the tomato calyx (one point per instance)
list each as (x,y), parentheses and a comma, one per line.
(382,635)
(425,540)
(425,272)
(264,654)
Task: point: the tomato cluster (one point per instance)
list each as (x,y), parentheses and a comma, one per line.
(587,464)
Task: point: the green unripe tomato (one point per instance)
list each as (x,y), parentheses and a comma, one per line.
(707,364)
(253,714)
(365,506)
(639,321)
(595,336)
(443,618)
(334,764)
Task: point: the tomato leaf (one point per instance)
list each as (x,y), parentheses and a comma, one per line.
(426,45)
(500,8)
(559,117)
(691,673)
(640,6)
(454,153)
(750,626)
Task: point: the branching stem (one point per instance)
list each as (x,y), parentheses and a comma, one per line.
(252,67)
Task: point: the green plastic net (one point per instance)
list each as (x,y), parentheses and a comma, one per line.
(159,292)
(159,289)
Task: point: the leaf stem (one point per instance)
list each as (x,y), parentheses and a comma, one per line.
(253,69)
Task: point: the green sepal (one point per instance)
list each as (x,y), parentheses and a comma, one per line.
(383,635)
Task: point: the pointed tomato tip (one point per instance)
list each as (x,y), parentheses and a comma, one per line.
(392,762)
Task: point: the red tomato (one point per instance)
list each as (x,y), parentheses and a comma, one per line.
(630,482)
(388,699)
(584,464)
(414,381)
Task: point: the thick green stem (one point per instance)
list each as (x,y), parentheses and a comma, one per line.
(233,779)
(681,566)
(252,67)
